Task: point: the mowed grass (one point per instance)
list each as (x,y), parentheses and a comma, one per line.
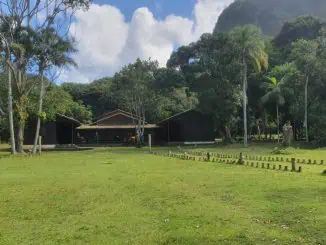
(126,196)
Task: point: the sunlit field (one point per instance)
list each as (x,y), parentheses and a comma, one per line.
(128,196)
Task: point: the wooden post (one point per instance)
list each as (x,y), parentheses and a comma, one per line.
(321,162)
(150,142)
(292,164)
(40,144)
(286,168)
(268,166)
(300,169)
(241,162)
(208,157)
(279,167)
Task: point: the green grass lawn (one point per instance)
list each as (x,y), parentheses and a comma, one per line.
(126,196)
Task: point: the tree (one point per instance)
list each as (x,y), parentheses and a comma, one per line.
(304,55)
(210,68)
(19,22)
(50,51)
(57,101)
(97,94)
(273,88)
(251,50)
(133,89)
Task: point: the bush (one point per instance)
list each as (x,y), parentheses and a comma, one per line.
(324,172)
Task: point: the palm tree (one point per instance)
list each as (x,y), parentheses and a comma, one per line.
(50,51)
(274,93)
(251,48)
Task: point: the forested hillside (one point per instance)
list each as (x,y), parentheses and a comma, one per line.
(269,15)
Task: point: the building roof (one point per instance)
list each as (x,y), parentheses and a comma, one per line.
(69,118)
(115,113)
(95,127)
(176,115)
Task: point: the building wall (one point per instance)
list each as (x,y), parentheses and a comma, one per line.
(191,126)
(109,136)
(48,132)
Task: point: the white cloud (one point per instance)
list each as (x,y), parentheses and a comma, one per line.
(106,42)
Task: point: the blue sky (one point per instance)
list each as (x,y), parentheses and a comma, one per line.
(160,8)
(114,33)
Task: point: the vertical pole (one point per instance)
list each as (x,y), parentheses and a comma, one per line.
(150,142)
(292,164)
(72,134)
(40,144)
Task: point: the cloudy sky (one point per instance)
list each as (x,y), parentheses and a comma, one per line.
(113,33)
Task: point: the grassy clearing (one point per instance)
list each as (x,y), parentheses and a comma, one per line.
(125,196)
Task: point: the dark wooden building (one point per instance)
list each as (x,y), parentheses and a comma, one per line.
(190,126)
(60,132)
(116,127)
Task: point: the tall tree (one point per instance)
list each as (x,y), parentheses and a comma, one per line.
(50,50)
(251,51)
(304,55)
(273,88)
(133,88)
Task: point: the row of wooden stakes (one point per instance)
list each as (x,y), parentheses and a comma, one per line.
(268,166)
(239,161)
(259,158)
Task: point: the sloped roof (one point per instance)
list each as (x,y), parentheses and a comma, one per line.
(115,113)
(89,127)
(69,118)
(176,115)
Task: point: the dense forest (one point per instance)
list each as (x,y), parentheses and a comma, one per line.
(249,83)
(279,79)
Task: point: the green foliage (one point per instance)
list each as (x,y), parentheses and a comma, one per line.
(251,46)
(42,115)
(97,95)
(57,101)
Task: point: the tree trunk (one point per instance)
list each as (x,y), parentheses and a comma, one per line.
(265,125)
(244,91)
(258,129)
(227,135)
(278,124)
(11,115)
(40,108)
(20,140)
(306,110)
